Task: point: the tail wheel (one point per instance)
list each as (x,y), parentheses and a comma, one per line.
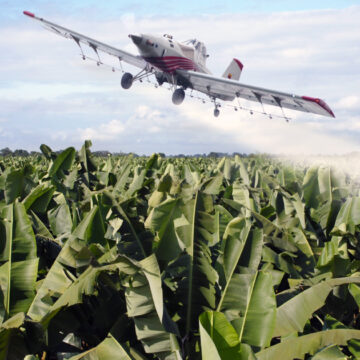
(216,112)
(178,96)
(126,81)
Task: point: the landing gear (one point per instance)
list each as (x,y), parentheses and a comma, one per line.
(217,105)
(160,77)
(126,81)
(178,96)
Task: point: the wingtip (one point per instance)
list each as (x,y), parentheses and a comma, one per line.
(321,103)
(28,13)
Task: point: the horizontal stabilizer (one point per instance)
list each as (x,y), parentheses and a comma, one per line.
(233,71)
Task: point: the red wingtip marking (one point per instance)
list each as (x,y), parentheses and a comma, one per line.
(239,63)
(28,13)
(320,102)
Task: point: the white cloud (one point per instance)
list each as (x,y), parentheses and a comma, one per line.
(106,131)
(144,111)
(144,120)
(298,53)
(349,102)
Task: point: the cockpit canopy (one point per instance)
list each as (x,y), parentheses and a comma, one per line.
(195,50)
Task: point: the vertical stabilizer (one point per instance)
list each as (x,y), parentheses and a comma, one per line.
(233,71)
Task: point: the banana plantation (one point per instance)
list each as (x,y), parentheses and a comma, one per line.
(177,258)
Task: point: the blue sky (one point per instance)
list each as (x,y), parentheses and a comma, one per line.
(49,95)
(185,7)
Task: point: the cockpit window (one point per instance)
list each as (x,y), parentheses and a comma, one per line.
(200,50)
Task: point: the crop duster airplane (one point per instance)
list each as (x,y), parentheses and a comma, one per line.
(183,66)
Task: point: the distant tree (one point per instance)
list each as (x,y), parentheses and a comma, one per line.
(162,155)
(5,152)
(20,152)
(101,153)
(35,153)
(214,154)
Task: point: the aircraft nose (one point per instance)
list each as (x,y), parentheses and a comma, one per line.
(136,39)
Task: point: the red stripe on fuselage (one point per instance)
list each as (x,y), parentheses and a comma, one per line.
(171,63)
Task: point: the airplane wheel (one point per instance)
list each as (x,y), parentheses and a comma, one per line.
(126,81)
(178,96)
(216,112)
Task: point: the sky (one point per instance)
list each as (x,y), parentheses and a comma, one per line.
(48,94)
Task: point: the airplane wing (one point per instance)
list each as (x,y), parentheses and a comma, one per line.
(94,44)
(227,89)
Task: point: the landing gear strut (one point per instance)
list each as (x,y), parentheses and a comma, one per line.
(126,81)
(178,96)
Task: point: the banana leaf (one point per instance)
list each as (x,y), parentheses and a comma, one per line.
(144,300)
(219,340)
(62,163)
(108,349)
(234,240)
(348,217)
(12,340)
(39,198)
(162,221)
(293,314)
(74,254)
(14,185)
(18,260)
(250,306)
(331,352)
(193,272)
(296,348)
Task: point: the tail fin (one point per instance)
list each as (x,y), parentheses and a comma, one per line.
(233,71)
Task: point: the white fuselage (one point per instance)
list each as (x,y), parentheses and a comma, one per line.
(169,55)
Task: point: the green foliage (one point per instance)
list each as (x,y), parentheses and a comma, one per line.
(153,258)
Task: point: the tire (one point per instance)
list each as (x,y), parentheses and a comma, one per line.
(216,112)
(126,81)
(178,96)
